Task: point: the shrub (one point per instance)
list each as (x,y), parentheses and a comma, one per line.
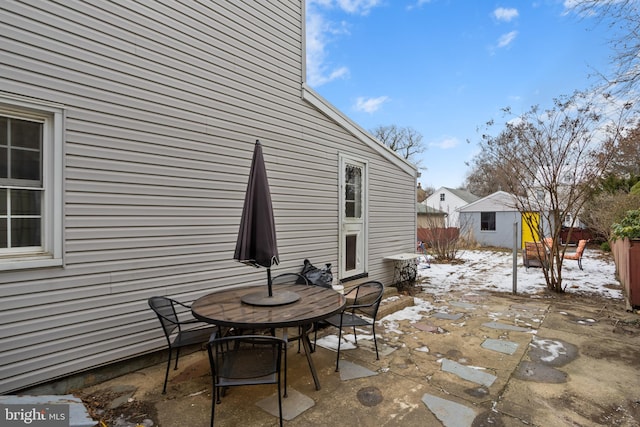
(628,227)
(605,247)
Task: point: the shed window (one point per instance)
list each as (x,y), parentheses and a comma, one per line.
(442,197)
(487,221)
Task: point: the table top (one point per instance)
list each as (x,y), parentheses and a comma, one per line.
(225,307)
(403,257)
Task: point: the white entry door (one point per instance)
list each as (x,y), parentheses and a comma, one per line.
(353,217)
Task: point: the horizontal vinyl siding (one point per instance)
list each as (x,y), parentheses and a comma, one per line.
(163,102)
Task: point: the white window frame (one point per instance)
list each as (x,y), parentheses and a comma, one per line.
(50,254)
(495,222)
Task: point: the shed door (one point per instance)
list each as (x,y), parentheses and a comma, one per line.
(530,225)
(353,214)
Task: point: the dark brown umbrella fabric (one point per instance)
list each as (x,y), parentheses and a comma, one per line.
(256,243)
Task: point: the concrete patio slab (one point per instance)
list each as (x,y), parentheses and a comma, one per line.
(448,316)
(451,414)
(293,405)
(468,373)
(506,327)
(506,347)
(350,371)
(600,387)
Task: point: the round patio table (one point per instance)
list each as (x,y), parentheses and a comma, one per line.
(225,308)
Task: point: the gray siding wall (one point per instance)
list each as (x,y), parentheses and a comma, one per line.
(163,102)
(503,235)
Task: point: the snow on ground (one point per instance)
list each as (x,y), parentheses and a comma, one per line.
(493,271)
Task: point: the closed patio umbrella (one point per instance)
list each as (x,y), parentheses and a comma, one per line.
(257,245)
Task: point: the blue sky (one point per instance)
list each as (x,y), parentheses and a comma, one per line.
(446,67)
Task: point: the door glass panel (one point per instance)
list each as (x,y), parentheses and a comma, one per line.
(353,192)
(351,244)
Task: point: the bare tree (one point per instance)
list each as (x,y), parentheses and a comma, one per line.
(623,20)
(551,161)
(626,160)
(605,209)
(407,142)
(444,243)
(484,178)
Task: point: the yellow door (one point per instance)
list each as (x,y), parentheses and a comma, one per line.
(530,227)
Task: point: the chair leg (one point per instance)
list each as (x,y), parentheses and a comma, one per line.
(279,398)
(285,375)
(214,393)
(580,263)
(375,340)
(166,374)
(339,341)
(177,357)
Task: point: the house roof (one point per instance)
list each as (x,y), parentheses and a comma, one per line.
(463,194)
(428,210)
(350,126)
(498,201)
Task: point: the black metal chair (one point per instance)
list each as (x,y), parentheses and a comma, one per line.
(362,306)
(239,360)
(177,337)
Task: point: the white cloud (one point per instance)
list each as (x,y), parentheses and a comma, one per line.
(445,143)
(418,4)
(506,39)
(319,34)
(360,7)
(370,105)
(504,14)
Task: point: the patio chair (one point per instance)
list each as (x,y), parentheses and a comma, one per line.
(362,306)
(172,326)
(239,360)
(577,255)
(534,254)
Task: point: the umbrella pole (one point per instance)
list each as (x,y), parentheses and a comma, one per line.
(269,283)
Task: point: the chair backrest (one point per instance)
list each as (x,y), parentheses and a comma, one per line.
(580,249)
(165,309)
(534,250)
(246,359)
(366,298)
(548,242)
(290,279)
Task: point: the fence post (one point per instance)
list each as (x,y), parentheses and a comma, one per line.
(515,258)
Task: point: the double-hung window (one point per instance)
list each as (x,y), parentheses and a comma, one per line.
(30,184)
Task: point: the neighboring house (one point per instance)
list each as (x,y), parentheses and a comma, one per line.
(429,217)
(127,136)
(449,200)
(490,221)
